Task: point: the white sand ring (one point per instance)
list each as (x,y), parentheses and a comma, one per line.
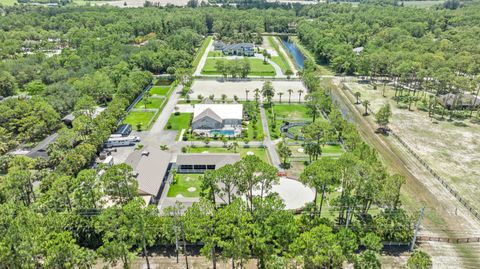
(179,196)
(192,189)
(301,150)
(250,153)
(205,151)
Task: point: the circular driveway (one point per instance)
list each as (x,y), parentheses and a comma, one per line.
(293,193)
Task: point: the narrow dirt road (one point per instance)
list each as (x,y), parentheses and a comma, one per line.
(445,216)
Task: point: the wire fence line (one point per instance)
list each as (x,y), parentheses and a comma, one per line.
(444,183)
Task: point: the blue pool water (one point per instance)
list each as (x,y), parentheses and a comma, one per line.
(222,132)
(297,55)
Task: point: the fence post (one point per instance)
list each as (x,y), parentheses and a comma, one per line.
(417,227)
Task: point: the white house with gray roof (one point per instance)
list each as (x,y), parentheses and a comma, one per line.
(239,49)
(224,119)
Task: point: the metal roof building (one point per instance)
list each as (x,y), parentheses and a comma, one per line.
(152,166)
(199,162)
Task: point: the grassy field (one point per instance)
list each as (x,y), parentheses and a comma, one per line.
(136,117)
(291,111)
(260,152)
(215,53)
(451,148)
(179,122)
(280,59)
(8,2)
(159,90)
(257,68)
(152,103)
(259,130)
(298,157)
(201,51)
(186,185)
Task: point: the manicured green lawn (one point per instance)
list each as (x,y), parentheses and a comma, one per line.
(280,59)
(152,103)
(179,122)
(291,111)
(201,51)
(215,53)
(257,68)
(259,130)
(183,183)
(332,149)
(260,152)
(160,90)
(136,117)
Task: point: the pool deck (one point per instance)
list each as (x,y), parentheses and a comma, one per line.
(227,132)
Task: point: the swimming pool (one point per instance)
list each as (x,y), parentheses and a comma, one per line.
(222,132)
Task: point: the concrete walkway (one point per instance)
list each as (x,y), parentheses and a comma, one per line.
(267,141)
(201,64)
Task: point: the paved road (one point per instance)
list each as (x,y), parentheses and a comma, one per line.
(157,135)
(203,60)
(267,141)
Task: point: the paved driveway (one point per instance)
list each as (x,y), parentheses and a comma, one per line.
(201,64)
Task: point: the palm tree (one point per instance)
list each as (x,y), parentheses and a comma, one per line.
(280,95)
(224,98)
(145,99)
(357,95)
(300,92)
(246,94)
(288,73)
(235,146)
(257,94)
(290,91)
(366,103)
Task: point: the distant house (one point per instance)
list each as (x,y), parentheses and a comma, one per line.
(217,116)
(239,49)
(459,101)
(218,45)
(201,162)
(151,166)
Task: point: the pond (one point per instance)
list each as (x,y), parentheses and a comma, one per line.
(296,54)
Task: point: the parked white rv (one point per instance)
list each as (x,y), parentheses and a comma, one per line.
(121,141)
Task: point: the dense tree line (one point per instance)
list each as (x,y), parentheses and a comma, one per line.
(430,50)
(58,214)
